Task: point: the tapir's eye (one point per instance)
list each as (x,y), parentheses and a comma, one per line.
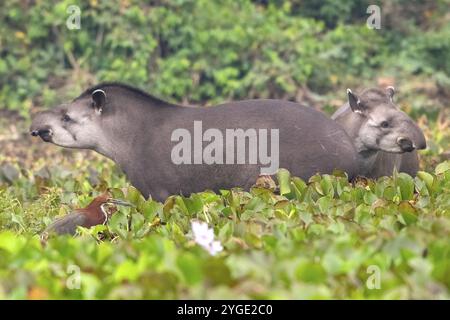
(66,118)
(384,124)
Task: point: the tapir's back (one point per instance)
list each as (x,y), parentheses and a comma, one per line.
(309,143)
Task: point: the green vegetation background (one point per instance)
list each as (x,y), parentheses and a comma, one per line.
(316,240)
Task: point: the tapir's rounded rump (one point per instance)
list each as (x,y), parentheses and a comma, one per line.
(167,149)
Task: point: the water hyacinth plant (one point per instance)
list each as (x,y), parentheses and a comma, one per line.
(204,237)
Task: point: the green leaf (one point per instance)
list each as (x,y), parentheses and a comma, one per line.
(284,178)
(299,187)
(11,242)
(407,212)
(324,204)
(127,270)
(389,193)
(326,185)
(137,222)
(150,209)
(311,273)
(134,196)
(427,178)
(442,167)
(190,267)
(362,214)
(406,185)
(118,223)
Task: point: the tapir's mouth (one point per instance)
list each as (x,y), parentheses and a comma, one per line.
(44,134)
(46,138)
(408,149)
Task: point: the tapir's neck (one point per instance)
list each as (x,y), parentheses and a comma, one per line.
(351,123)
(121,137)
(367,161)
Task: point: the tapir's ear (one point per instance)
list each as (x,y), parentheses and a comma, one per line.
(390,93)
(99,100)
(354,102)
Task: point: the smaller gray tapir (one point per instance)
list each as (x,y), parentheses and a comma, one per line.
(384,136)
(167,149)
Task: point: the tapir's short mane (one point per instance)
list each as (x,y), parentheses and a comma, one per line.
(127,87)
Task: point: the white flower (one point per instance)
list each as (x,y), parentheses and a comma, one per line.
(202,234)
(215,247)
(204,237)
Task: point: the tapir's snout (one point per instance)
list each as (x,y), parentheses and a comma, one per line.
(418,139)
(415,141)
(44,133)
(40,127)
(421,145)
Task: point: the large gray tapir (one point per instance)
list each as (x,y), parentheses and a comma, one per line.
(384,136)
(169,149)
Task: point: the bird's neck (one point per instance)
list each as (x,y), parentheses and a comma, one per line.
(96,211)
(105,212)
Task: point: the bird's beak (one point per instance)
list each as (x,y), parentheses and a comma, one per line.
(120,202)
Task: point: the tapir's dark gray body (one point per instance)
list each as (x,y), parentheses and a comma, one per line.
(135,129)
(370,109)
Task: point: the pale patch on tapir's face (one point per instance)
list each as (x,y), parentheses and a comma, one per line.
(78,125)
(384,128)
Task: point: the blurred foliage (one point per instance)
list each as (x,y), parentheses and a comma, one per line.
(201,51)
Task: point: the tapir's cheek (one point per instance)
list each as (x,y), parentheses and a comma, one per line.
(389,144)
(62,137)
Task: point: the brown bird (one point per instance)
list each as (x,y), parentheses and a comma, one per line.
(97,212)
